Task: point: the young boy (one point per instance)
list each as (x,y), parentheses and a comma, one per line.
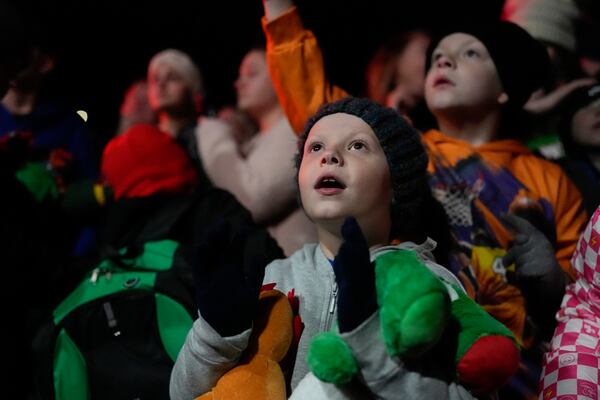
(357,159)
(475,172)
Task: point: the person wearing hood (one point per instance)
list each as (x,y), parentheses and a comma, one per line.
(579,130)
(571,363)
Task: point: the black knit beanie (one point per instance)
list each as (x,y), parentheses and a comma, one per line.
(522,62)
(401,144)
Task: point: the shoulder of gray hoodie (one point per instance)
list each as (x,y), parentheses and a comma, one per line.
(206,356)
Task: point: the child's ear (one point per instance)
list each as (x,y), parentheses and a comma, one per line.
(503,98)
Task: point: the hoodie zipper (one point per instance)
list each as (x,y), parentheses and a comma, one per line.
(332,304)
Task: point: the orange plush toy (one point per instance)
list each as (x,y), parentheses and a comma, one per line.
(259,375)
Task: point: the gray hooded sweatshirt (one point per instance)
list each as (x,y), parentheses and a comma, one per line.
(206,356)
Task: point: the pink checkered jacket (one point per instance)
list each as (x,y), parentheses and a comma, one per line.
(572,366)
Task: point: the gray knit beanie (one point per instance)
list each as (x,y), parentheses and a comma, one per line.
(552,21)
(183,64)
(400,142)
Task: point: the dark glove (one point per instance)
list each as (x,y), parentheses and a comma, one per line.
(538,273)
(355,277)
(229,268)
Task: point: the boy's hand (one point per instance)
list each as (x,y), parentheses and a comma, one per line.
(274,8)
(355,276)
(538,273)
(228,272)
(531,252)
(541,103)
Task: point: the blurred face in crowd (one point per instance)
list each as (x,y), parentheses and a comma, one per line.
(255,93)
(167,90)
(409,74)
(462,78)
(31,76)
(344,172)
(585,125)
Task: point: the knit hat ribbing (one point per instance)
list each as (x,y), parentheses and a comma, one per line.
(522,63)
(144,161)
(401,144)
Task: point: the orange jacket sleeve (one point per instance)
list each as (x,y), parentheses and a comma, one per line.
(296,66)
(570,219)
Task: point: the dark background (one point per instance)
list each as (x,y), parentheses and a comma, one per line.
(104,45)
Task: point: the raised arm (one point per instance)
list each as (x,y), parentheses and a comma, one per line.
(230,254)
(296,64)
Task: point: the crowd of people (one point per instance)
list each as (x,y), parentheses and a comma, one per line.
(471,160)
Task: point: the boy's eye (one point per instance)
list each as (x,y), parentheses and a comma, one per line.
(315,147)
(471,53)
(357,146)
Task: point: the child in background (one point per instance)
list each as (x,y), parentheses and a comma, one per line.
(579,130)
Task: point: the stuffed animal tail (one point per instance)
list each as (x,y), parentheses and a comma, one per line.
(487,354)
(331,359)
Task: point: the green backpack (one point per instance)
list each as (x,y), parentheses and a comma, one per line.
(117,335)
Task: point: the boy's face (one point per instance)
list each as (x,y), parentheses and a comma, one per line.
(344,172)
(255,92)
(462,77)
(585,125)
(167,90)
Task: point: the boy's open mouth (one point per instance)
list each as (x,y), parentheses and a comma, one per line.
(442,81)
(329,184)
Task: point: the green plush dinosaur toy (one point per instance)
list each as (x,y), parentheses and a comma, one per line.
(415,308)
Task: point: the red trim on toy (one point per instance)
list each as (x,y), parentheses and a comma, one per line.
(488,364)
(287,364)
(268,286)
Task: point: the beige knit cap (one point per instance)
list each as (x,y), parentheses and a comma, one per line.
(183,64)
(552,21)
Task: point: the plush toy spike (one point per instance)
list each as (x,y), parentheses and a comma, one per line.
(331,359)
(414,303)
